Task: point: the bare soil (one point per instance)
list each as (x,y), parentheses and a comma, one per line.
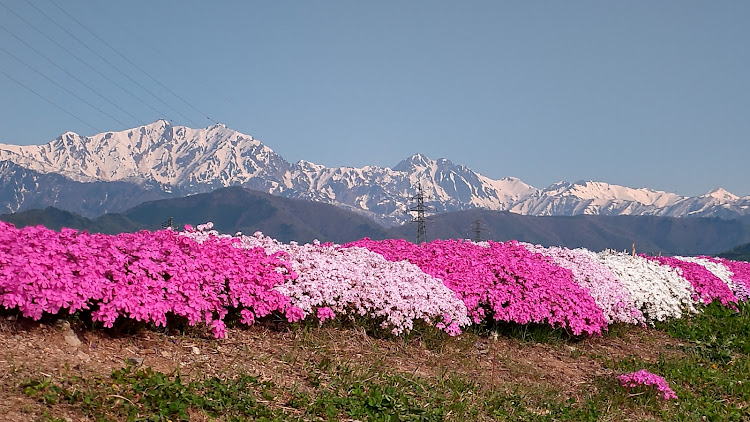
(30,350)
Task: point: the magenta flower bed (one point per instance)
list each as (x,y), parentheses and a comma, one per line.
(143,276)
(502,280)
(740,277)
(707,285)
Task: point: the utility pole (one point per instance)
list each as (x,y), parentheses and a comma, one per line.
(420,218)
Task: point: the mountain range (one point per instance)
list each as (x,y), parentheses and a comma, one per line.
(113,171)
(236,209)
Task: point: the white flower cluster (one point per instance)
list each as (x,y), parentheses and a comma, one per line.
(659,291)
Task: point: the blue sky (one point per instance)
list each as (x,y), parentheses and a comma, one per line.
(636,93)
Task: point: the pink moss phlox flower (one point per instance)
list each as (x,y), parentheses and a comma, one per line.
(596,278)
(740,275)
(645,378)
(502,280)
(708,287)
(325,313)
(356,281)
(144,276)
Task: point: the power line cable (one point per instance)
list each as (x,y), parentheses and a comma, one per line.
(110,64)
(81,60)
(62,87)
(51,102)
(131,62)
(70,74)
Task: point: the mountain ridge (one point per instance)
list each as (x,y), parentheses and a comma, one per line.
(171,161)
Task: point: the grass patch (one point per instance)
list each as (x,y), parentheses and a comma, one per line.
(144,394)
(717,333)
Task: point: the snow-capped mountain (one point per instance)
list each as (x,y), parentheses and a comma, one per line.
(583,197)
(387,193)
(170,156)
(161,160)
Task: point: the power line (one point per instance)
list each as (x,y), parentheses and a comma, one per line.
(62,87)
(109,63)
(131,62)
(81,60)
(50,101)
(69,74)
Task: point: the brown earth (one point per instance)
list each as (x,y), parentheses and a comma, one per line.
(31,350)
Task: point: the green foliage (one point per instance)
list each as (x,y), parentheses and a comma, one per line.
(144,394)
(718,392)
(516,405)
(712,375)
(717,333)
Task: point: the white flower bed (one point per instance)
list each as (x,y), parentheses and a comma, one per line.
(659,291)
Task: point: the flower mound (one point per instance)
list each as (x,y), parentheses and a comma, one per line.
(333,280)
(597,279)
(502,280)
(708,287)
(740,276)
(144,276)
(645,378)
(660,292)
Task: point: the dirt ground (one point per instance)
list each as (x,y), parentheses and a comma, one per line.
(53,349)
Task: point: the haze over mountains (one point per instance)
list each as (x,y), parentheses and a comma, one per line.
(114,171)
(237,209)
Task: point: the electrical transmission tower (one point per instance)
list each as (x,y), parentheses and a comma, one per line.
(420,219)
(477,230)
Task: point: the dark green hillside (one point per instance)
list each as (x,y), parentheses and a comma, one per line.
(230,209)
(237,209)
(56,219)
(739,253)
(686,236)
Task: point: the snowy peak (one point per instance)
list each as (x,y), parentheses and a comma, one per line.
(589,197)
(416,161)
(721,195)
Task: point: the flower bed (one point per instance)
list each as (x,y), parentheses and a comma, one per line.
(142,276)
(660,292)
(333,280)
(202,276)
(591,274)
(504,281)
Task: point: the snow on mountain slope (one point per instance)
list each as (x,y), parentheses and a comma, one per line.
(388,191)
(716,203)
(168,155)
(582,197)
(177,160)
